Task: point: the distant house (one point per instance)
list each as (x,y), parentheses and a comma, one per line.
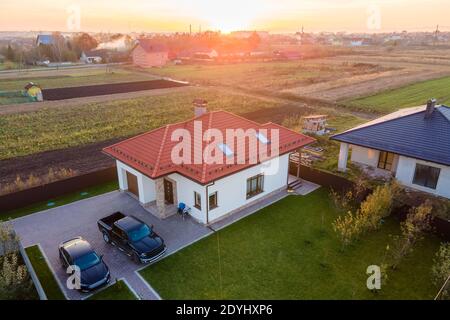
(90,57)
(45,39)
(206,54)
(412,145)
(148,53)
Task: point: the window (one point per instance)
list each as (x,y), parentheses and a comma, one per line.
(197,201)
(386,160)
(426,176)
(255,185)
(212,201)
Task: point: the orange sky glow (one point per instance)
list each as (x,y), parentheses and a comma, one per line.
(226,16)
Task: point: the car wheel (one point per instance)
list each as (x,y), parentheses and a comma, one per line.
(135,258)
(106,237)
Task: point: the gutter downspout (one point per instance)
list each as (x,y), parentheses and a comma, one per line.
(207,201)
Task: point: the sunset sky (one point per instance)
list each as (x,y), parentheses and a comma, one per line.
(271,15)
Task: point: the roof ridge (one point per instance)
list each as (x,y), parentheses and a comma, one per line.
(204,162)
(158,157)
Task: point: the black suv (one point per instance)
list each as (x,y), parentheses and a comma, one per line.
(94,273)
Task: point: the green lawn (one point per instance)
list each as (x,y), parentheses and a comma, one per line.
(46,278)
(289,251)
(78,77)
(59,128)
(409,96)
(62,200)
(117,291)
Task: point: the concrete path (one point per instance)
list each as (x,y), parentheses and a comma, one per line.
(51,227)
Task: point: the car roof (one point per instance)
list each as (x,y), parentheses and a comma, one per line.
(128,223)
(77,247)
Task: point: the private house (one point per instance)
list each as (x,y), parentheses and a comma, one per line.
(90,57)
(146,169)
(148,53)
(412,145)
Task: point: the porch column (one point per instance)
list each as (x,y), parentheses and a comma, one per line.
(122,177)
(343,157)
(299,151)
(160,200)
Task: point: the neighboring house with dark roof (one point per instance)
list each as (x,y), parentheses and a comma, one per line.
(148,170)
(412,145)
(148,53)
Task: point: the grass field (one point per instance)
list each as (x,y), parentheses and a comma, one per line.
(44,274)
(60,201)
(58,128)
(117,291)
(289,251)
(271,76)
(409,96)
(79,77)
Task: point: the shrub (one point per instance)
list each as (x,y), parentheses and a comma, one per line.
(376,207)
(418,221)
(441,270)
(15,282)
(348,227)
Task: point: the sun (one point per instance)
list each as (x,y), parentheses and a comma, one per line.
(231,15)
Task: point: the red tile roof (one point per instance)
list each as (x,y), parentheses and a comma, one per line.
(150,153)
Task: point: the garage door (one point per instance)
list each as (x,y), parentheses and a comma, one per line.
(132,184)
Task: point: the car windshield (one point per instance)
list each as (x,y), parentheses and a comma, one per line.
(139,233)
(87,261)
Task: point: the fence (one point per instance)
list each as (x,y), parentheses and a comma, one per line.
(322,178)
(33,195)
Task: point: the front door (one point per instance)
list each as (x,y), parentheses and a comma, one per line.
(132,184)
(168,191)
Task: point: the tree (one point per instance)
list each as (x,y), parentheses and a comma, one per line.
(418,221)
(441,270)
(254,41)
(10,53)
(84,42)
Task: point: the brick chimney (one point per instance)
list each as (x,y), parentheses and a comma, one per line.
(431,104)
(200,107)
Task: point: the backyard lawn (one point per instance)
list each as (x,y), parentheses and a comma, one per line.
(409,96)
(117,291)
(289,251)
(44,274)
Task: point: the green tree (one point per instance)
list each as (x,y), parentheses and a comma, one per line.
(10,54)
(441,270)
(418,221)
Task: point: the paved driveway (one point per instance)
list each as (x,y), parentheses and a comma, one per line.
(49,228)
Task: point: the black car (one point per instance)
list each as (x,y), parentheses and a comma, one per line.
(94,272)
(132,236)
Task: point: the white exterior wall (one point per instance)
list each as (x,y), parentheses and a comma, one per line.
(232,190)
(147,190)
(185,193)
(405,175)
(365,156)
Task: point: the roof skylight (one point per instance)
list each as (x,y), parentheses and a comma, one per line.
(262,138)
(225,149)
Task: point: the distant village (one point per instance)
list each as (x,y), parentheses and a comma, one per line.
(24,49)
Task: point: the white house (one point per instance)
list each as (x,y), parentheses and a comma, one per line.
(412,145)
(148,170)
